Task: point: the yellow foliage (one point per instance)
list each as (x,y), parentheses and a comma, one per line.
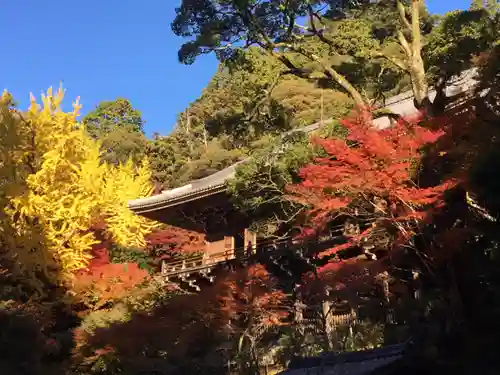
(55,189)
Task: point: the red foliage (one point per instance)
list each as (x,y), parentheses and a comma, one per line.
(108,283)
(246,300)
(252,293)
(175,239)
(103,282)
(373,166)
(100,255)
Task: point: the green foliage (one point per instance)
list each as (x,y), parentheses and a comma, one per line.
(458,38)
(167,155)
(368,335)
(259,184)
(211,159)
(256,94)
(227,28)
(306,103)
(237,102)
(120,254)
(120,129)
(174,165)
(244,104)
(113,114)
(120,144)
(491,6)
(104,318)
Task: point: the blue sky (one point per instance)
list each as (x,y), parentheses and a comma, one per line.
(101,50)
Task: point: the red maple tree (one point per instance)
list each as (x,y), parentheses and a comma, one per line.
(370,175)
(240,304)
(174,239)
(104,282)
(250,295)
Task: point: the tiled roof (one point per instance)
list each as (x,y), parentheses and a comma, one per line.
(349,363)
(401,104)
(196,189)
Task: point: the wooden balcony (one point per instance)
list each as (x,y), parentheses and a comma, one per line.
(205,262)
(200,263)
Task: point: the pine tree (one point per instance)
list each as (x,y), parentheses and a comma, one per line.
(492,6)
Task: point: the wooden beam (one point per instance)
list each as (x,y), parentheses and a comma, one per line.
(250,239)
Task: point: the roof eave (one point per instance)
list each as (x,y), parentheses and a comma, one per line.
(161,202)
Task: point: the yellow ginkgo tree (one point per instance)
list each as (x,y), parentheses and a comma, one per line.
(54,190)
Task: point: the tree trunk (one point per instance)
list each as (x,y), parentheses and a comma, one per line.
(419,82)
(440,101)
(414,63)
(339,79)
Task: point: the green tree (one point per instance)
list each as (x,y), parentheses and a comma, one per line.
(238,101)
(255,95)
(259,185)
(166,155)
(120,129)
(228,27)
(491,6)
(109,115)
(306,50)
(305,103)
(215,157)
(453,43)
(120,144)
(179,158)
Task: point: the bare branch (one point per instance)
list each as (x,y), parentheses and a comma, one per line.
(319,33)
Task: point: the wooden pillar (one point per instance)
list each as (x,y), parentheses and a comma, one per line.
(328,324)
(250,239)
(417,290)
(384,279)
(229,247)
(299,316)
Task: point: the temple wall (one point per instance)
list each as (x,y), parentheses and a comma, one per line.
(220,250)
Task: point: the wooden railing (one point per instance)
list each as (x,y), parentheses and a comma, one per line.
(195,263)
(335,319)
(206,261)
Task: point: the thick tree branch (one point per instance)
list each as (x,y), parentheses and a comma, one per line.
(404,43)
(270,46)
(402,15)
(415,28)
(401,64)
(336,76)
(419,80)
